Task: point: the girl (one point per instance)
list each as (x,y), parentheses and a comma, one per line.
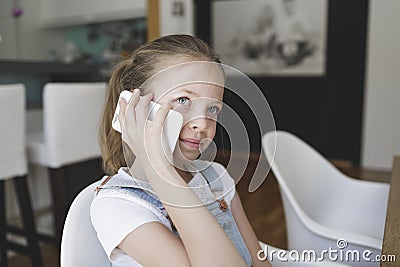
(158,213)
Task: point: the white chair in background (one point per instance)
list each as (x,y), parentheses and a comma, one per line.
(325,208)
(71,117)
(80,245)
(13,167)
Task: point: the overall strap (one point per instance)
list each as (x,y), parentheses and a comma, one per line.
(129,190)
(221,212)
(210,174)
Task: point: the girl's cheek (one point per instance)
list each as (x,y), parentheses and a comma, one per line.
(186,118)
(214,130)
(213,124)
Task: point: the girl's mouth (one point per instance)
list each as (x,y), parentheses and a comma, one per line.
(190,142)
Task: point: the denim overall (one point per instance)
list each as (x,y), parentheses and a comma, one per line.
(221,213)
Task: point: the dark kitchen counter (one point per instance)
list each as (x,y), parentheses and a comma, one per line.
(47,67)
(35,74)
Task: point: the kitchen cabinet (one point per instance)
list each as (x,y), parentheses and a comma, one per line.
(57,13)
(22,37)
(106,10)
(8,38)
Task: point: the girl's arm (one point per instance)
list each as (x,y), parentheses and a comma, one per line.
(247,231)
(204,242)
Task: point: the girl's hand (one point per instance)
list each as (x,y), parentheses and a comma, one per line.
(144,137)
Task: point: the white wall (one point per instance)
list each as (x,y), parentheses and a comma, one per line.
(381,125)
(22,37)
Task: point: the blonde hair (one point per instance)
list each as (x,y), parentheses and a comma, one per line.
(131,73)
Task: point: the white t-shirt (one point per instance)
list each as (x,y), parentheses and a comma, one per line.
(114,216)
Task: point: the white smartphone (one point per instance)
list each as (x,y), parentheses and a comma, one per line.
(172,125)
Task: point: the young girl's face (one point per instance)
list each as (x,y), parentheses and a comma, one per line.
(196,91)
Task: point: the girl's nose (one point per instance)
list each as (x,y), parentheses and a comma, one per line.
(198,124)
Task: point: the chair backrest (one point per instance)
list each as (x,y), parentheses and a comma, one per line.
(322,204)
(80,245)
(72,113)
(299,169)
(12,131)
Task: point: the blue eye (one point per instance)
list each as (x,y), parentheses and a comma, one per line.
(214,110)
(183,101)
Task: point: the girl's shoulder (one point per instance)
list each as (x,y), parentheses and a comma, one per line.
(114,218)
(124,191)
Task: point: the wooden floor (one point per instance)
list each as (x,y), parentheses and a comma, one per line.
(263,207)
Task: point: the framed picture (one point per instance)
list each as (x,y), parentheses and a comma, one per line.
(176,16)
(169,17)
(271,37)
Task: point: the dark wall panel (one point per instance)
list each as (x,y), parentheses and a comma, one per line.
(325,111)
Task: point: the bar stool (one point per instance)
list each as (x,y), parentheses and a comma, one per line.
(71,117)
(13,167)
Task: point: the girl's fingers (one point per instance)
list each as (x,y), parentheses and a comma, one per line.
(122,110)
(128,108)
(135,97)
(160,117)
(142,109)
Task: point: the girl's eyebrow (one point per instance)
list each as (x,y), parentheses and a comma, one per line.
(218,103)
(195,94)
(190,92)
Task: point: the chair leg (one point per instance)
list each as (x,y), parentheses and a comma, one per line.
(3,254)
(24,201)
(57,182)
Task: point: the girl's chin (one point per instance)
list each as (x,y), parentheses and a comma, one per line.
(180,156)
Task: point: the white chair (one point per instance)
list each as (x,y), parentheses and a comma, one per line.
(71,117)
(80,245)
(13,167)
(323,207)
